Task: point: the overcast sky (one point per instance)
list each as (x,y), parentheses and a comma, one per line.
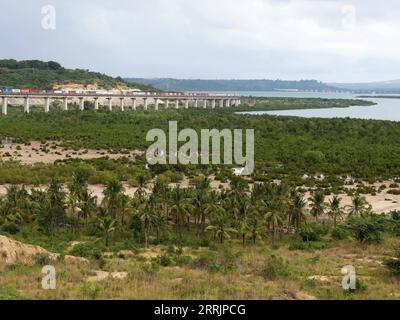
(328,40)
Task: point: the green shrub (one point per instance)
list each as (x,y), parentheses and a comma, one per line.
(339,233)
(86,250)
(368,229)
(311,232)
(165,260)
(91,290)
(275,267)
(42,259)
(11,228)
(394,263)
(314,245)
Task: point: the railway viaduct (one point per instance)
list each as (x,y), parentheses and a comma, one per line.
(122,102)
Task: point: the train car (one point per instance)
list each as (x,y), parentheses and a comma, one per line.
(7,90)
(35,91)
(16,90)
(24,90)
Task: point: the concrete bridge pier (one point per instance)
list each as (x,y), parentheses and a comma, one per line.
(26,105)
(196,103)
(228,103)
(96,104)
(166,104)
(146,104)
(204,104)
(186,104)
(221,103)
(156,104)
(213,104)
(134,104)
(122,104)
(4,108)
(110,105)
(81,103)
(177,104)
(65,107)
(47,105)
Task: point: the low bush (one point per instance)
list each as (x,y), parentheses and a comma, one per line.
(314,245)
(339,233)
(368,229)
(311,232)
(394,263)
(86,250)
(10,228)
(275,267)
(42,259)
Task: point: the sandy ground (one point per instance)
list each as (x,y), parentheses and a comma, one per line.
(38,153)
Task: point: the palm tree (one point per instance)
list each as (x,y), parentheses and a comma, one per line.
(147,217)
(71,205)
(274,219)
(112,193)
(358,206)
(317,204)
(254,227)
(198,204)
(179,208)
(88,205)
(220,226)
(141,191)
(334,209)
(107,227)
(242,230)
(160,223)
(55,193)
(78,186)
(123,206)
(296,212)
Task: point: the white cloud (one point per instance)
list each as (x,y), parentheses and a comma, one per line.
(329,40)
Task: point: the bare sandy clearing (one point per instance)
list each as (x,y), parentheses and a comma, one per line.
(50,152)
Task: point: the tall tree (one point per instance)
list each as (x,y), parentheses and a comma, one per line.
(335,210)
(317,204)
(112,194)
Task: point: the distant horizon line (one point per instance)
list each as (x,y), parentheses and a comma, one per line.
(265,79)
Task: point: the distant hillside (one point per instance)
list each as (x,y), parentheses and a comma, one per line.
(392,86)
(231,85)
(35,74)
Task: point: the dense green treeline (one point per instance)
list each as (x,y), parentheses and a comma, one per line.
(283,145)
(269,104)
